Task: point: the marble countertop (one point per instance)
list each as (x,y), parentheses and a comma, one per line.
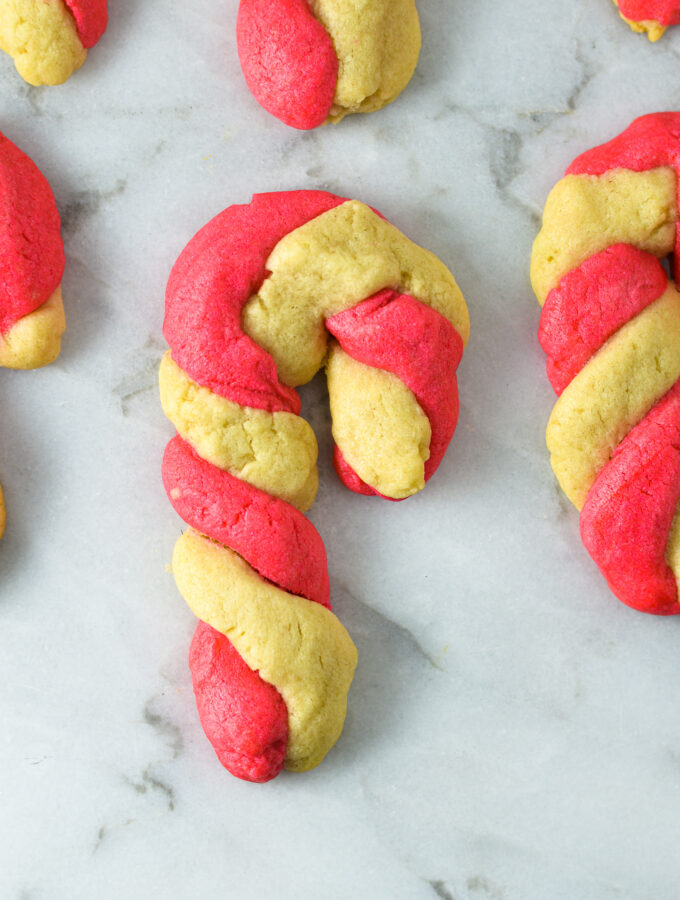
(513,731)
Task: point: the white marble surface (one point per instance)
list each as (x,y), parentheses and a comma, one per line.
(513,731)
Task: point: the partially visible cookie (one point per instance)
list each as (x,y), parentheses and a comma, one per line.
(49,39)
(610,328)
(652,17)
(314,62)
(31,267)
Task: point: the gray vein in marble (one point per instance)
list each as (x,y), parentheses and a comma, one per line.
(589,70)
(144,374)
(85,204)
(392,626)
(151,782)
(164,727)
(481,885)
(440,889)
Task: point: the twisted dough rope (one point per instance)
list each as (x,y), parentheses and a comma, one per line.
(49,39)
(650,16)
(314,62)
(249,305)
(611,329)
(31,267)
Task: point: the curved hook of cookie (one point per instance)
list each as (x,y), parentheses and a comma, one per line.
(48,39)
(309,63)
(610,327)
(650,17)
(260,300)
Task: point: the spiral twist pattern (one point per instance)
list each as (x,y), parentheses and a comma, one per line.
(610,327)
(258,301)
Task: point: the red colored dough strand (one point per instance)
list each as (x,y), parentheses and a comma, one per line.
(628,513)
(244,718)
(591,303)
(270,534)
(288,60)
(91,17)
(666,12)
(213,279)
(31,249)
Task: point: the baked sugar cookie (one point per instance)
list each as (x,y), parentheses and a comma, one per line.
(49,39)
(31,266)
(313,62)
(610,327)
(260,299)
(650,17)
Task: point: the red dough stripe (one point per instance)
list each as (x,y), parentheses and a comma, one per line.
(244,717)
(399,334)
(647,143)
(213,279)
(31,249)
(270,534)
(627,516)
(288,60)
(91,18)
(666,12)
(591,303)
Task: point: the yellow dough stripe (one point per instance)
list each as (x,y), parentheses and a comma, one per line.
(373,410)
(585,214)
(612,393)
(275,452)
(294,644)
(42,39)
(35,339)
(377,45)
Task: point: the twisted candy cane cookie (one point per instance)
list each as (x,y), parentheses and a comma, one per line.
(314,61)
(49,39)
(650,16)
(31,267)
(251,305)
(611,330)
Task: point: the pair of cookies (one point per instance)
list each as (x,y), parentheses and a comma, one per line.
(306,62)
(262,298)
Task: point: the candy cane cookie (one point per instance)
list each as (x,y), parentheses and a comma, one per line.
(49,39)
(652,17)
(258,301)
(610,327)
(309,62)
(31,267)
